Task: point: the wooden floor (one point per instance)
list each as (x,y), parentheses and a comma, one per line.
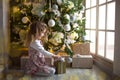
(71,74)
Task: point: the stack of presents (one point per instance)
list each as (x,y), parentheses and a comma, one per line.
(81,59)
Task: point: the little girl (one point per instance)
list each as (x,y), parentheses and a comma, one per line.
(36,64)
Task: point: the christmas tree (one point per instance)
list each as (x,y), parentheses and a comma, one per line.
(65,20)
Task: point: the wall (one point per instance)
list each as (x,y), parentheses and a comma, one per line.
(4,39)
(117,40)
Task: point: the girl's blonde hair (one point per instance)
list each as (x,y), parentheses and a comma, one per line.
(35,27)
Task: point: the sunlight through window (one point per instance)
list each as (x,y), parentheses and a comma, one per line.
(100,27)
(93,18)
(102,17)
(111,19)
(93,2)
(110,45)
(87,3)
(101,42)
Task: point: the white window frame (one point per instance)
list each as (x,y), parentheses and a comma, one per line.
(97,29)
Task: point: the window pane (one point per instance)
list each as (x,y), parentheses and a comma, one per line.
(111,16)
(87,37)
(101,43)
(102,17)
(102,1)
(93,41)
(87,3)
(110,45)
(93,18)
(93,2)
(87,25)
(91,35)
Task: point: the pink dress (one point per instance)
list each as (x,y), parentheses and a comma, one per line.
(36,63)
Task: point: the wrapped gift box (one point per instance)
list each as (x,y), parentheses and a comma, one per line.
(66,56)
(60,67)
(81,48)
(84,61)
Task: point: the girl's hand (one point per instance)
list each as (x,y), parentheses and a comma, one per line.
(56,56)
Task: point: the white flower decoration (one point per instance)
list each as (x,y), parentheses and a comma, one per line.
(56,38)
(75,25)
(37,9)
(70,41)
(72,36)
(59,2)
(71,5)
(67,27)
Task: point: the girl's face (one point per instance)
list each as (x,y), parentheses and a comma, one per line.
(39,36)
(43,33)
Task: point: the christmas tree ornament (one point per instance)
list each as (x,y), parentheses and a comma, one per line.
(51,23)
(72,18)
(69,60)
(67,27)
(59,2)
(25,19)
(55,7)
(67,16)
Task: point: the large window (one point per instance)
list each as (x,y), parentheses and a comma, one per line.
(100,27)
